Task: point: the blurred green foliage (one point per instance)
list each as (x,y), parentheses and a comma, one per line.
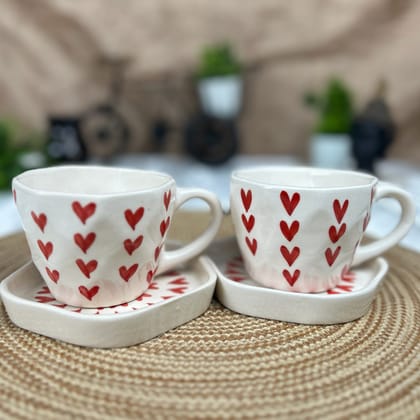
(334,106)
(14,146)
(218,60)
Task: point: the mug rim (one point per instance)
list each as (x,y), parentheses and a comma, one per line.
(19,180)
(244,175)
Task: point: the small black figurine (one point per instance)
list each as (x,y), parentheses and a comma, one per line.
(372,131)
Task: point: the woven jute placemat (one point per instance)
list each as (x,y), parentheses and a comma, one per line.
(226,365)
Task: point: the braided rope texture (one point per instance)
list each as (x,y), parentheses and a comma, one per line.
(225,365)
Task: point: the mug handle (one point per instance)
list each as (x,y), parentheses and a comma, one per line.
(408,214)
(170,259)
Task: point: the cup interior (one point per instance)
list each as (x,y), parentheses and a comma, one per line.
(310,178)
(91,180)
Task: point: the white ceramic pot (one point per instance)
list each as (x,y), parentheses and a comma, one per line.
(331,151)
(221,97)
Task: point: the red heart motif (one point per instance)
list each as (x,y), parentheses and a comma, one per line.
(54,275)
(150,275)
(134,217)
(290,256)
(87,268)
(248,222)
(164,224)
(246,199)
(130,246)
(340,209)
(40,220)
(252,245)
(291,278)
(157,252)
(127,273)
(83,212)
(88,293)
(167,199)
(289,204)
(289,232)
(44,299)
(366,221)
(46,248)
(178,290)
(179,280)
(84,243)
(336,235)
(332,256)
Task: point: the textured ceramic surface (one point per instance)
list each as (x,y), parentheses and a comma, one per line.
(348,300)
(171,300)
(299,229)
(97,234)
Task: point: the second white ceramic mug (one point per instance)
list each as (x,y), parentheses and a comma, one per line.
(97,234)
(299,229)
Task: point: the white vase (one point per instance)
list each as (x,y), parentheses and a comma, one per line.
(331,151)
(221,97)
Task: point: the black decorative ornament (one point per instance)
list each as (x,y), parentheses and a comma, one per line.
(211,140)
(65,142)
(372,133)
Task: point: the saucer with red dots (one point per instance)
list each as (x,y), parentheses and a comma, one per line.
(172,299)
(349,300)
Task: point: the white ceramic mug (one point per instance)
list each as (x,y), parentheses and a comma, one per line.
(97,234)
(299,229)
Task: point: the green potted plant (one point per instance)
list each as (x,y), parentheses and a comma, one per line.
(220,81)
(330,145)
(18,152)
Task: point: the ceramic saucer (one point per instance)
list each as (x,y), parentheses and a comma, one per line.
(171,300)
(349,300)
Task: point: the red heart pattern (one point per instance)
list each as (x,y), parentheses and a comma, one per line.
(157,252)
(130,246)
(150,275)
(291,278)
(40,220)
(84,242)
(83,212)
(340,209)
(366,221)
(127,273)
(289,204)
(246,198)
(164,225)
(46,249)
(252,245)
(88,293)
(290,256)
(87,268)
(248,222)
(133,218)
(289,232)
(336,235)
(332,256)
(167,199)
(54,275)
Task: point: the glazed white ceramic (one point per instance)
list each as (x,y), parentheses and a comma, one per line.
(172,299)
(97,234)
(350,299)
(299,229)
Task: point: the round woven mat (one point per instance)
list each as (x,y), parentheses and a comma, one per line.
(225,365)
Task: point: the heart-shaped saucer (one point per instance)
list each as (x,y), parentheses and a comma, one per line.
(349,300)
(171,300)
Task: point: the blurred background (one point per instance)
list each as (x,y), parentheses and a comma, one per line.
(198,88)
